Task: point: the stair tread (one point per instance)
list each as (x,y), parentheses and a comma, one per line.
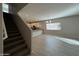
(13,44)
(13,34)
(22,52)
(16,49)
(12,30)
(9,32)
(12,39)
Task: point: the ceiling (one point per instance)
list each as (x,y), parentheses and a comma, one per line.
(45,11)
(18,6)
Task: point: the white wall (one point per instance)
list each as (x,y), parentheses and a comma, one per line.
(70,27)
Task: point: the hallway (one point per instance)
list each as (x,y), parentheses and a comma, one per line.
(45,45)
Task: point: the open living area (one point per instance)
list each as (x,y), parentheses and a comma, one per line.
(40,29)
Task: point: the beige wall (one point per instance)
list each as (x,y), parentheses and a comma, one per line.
(70,27)
(1,41)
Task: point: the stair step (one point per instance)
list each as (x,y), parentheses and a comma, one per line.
(12,28)
(11,45)
(23,52)
(10,32)
(10,22)
(16,49)
(10,40)
(13,34)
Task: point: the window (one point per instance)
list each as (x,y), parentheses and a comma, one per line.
(53,26)
(5,8)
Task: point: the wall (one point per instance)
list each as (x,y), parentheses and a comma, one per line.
(1,41)
(70,27)
(23,28)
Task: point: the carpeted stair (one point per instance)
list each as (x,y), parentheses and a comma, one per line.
(14,45)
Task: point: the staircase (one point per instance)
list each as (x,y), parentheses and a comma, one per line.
(14,45)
